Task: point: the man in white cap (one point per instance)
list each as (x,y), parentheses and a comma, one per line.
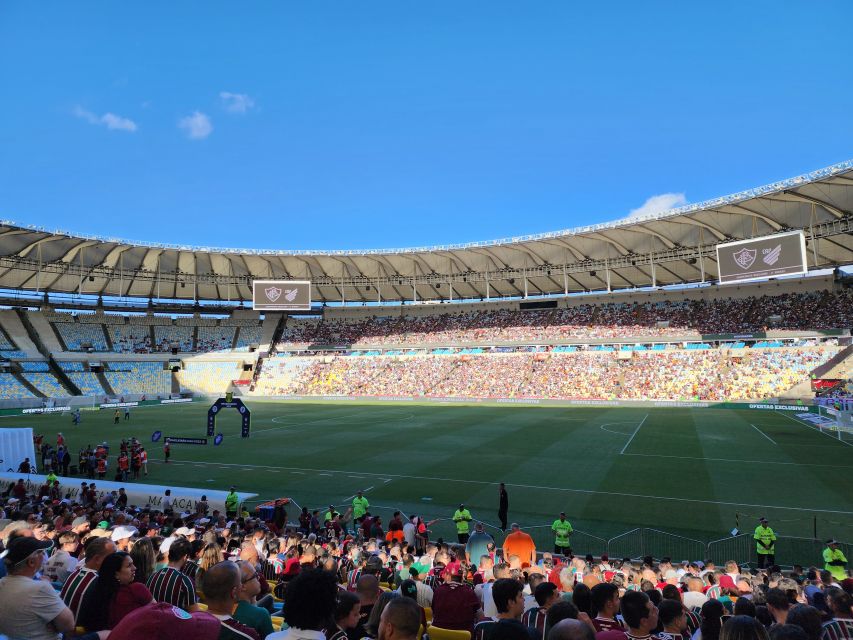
(123,537)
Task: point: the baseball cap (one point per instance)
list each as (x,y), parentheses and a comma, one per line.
(103,524)
(409,589)
(22,547)
(120,533)
(184,531)
(79,521)
(162,621)
(832,541)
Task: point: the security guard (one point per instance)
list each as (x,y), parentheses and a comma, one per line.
(834,560)
(232,502)
(462,517)
(765,542)
(562,528)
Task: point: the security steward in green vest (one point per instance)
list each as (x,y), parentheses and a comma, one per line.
(562,528)
(462,517)
(834,560)
(765,542)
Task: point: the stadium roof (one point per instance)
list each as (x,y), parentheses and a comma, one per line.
(669,248)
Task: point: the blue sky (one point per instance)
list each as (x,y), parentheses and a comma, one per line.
(320,125)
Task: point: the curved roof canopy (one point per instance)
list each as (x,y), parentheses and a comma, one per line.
(672,247)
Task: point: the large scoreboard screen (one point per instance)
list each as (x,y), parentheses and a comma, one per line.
(281,295)
(782,254)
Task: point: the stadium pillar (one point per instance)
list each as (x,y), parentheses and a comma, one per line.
(607,274)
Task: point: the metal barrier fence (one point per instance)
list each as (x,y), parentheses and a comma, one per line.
(636,543)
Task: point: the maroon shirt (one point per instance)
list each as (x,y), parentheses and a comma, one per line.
(127,598)
(455,606)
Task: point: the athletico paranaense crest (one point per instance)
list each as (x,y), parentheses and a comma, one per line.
(745,257)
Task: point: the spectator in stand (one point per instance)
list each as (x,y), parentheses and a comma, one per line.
(114,595)
(478,544)
(221,585)
(509,600)
(400,620)
(346,618)
(170,584)
(840,605)
(309,604)
(640,614)
(520,544)
(61,564)
(83,578)
(743,628)
(570,629)
(30,608)
(604,598)
(546,595)
(247,612)
(673,619)
(454,603)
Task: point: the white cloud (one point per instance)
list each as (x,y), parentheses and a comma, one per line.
(658,203)
(108,120)
(236,102)
(197,126)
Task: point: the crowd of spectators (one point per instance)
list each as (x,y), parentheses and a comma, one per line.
(817,310)
(680,374)
(92,569)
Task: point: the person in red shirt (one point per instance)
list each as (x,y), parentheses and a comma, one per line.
(113,595)
(123,466)
(60,440)
(518,543)
(454,604)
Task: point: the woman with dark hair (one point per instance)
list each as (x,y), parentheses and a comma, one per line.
(144,559)
(712,621)
(114,594)
(347,610)
(743,628)
(372,625)
(807,618)
(744,607)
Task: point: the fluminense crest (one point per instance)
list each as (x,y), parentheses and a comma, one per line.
(745,257)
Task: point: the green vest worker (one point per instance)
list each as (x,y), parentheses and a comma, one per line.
(462,517)
(765,543)
(360,505)
(834,560)
(231,504)
(562,528)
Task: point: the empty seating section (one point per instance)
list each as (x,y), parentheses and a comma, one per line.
(597,373)
(5,343)
(35,366)
(47,384)
(87,382)
(131,338)
(208,377)
(11,388)
(248,336)
(214,339)
(165,337)
(79,336)
(9,355)
(71,366)
(147,378)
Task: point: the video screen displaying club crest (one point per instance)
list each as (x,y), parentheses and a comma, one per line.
(778,255)
(281,295)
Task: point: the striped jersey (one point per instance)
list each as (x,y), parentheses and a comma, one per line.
(838,629)
(230,629)
(171,586)
(693,621)
(607,624)
(483,628)
(190,570)
(75,587)
(535,619)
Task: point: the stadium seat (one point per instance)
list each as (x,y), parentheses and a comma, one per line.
(437,633)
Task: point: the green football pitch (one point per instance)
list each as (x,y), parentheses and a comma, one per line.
(697,473)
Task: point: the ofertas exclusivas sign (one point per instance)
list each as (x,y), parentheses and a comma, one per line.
(778,255)
(281,295)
